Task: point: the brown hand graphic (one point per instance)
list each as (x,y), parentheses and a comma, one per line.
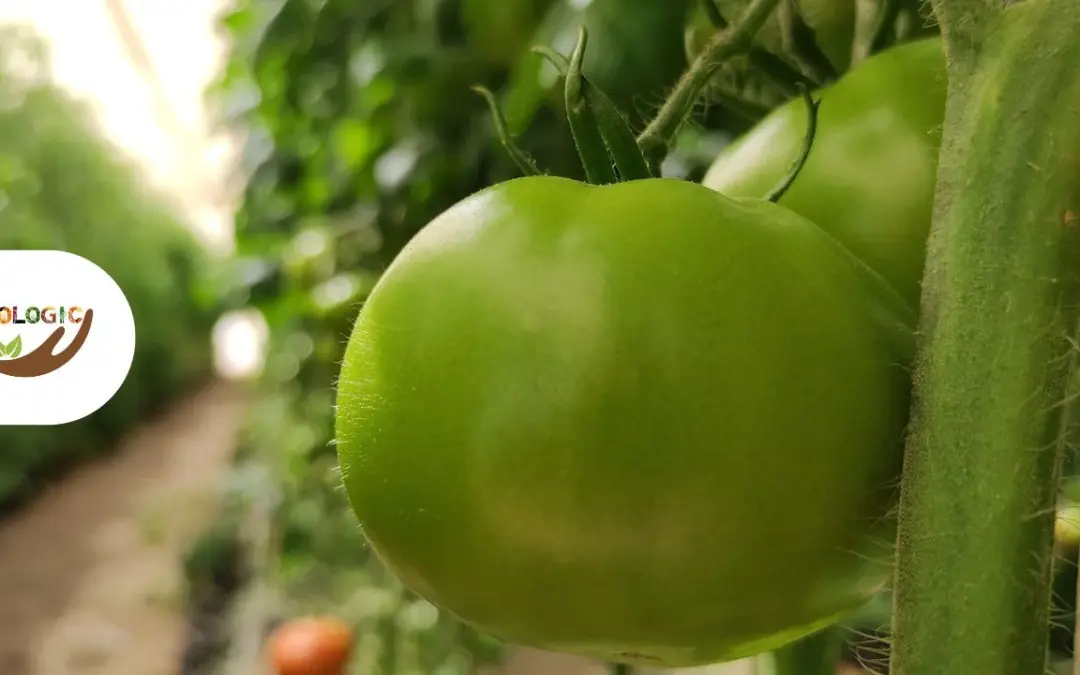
(42,361)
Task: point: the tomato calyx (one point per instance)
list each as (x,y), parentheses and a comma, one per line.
(609,124)
(591,145)
(608,150)
(607,147)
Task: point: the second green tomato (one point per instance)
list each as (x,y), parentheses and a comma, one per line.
(869,180)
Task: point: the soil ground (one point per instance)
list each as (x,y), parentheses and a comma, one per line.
(90,572)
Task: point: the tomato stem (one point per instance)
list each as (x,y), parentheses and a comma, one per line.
(613,127)
(808,143)
(523,161)
(737,39)
(583,125)
(1001,300)
(772,67)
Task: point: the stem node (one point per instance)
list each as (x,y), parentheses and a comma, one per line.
(737,39)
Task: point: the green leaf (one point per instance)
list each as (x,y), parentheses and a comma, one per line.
(14,347)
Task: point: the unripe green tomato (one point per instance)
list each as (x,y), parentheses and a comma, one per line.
(640,422)
(869,180)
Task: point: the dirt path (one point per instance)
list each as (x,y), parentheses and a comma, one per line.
(90,577)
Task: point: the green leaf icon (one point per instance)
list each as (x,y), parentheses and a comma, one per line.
(13,348)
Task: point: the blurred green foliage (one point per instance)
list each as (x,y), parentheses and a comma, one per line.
(64,187)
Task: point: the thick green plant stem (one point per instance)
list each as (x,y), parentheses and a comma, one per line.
(1000,305)
(737,39)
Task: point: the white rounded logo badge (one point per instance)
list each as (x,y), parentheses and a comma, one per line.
(67,338)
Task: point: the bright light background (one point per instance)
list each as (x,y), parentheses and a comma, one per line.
(89,59)
(186,52)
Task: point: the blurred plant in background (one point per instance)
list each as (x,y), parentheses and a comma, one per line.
(64,187)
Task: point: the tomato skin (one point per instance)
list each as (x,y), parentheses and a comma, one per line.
(311,646)
(641,422)
(869,180)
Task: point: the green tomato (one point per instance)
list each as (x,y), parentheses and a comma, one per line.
(641,422)
(869,180)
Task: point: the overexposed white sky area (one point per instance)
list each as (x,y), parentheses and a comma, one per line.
(89,59)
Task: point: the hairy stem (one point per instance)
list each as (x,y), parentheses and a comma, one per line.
(1000,304)
(963,22)
(737,39)
(775,69)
